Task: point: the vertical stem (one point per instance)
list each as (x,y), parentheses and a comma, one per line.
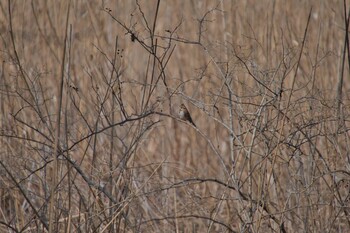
(68,165)
(112,136)
(57,133)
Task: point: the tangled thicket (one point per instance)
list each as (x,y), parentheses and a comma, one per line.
(90,139)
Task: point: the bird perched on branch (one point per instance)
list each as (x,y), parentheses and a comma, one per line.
(184,114)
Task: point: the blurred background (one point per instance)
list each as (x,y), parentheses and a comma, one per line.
(266,83)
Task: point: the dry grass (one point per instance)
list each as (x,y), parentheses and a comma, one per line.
(266,83)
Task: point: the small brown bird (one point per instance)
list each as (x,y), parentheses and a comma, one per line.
(184,114)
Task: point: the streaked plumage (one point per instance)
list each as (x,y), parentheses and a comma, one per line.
(184,114)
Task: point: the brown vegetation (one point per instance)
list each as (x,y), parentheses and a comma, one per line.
(90,139)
